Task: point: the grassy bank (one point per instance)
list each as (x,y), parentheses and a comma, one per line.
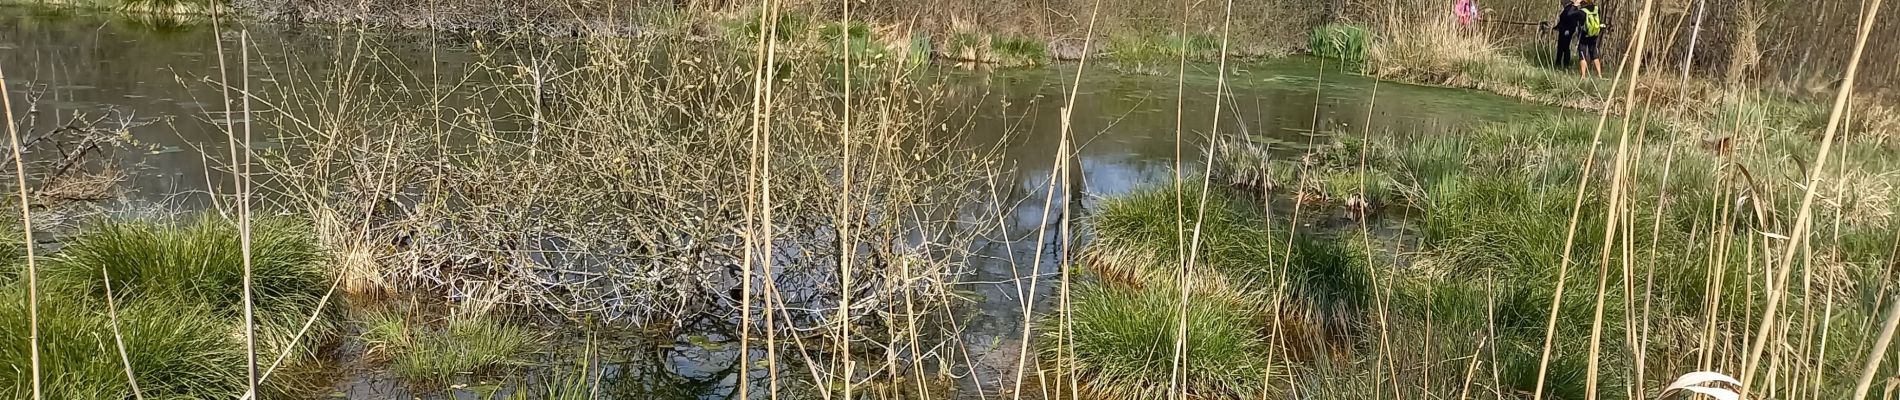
(1502,237)
(1134,31)
(184,8)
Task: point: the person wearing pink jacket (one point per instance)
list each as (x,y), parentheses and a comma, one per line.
(1467,11)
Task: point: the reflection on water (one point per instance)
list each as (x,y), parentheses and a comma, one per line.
(1128,130)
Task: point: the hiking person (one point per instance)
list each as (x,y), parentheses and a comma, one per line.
(1590,38)
(1568,21)
(1467,11)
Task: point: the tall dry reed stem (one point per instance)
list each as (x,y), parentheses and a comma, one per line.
(26,227)
(1178,373)
(1180,210)
(1618,190)
(847,246)
(1879,351)
(1804,215)
(1042,232)
(1066,317)
(759,80)
(242,173)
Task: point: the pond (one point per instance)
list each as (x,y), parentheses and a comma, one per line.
(154,84)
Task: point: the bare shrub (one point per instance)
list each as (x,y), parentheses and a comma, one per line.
(624,185)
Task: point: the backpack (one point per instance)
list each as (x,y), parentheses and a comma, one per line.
(1592,23)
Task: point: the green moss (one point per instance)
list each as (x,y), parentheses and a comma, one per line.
(1124,342)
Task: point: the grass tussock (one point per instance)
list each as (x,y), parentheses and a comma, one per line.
(178,291)
(1124,341)
(130,8)
(1137,240)
(200,262)
(435,354)
(1350,44)
(1151,48)
(195,261)
(812,36)
(12,251)
(1342,175)
(178,349)
(997,49)
(1503,219)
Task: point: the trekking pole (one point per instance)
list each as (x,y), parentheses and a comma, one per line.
(1528,23)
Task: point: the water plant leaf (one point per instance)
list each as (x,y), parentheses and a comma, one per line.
(1692,382)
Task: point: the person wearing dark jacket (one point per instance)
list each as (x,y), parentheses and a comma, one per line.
(1568,21)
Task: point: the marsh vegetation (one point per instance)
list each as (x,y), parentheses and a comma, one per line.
(777,201)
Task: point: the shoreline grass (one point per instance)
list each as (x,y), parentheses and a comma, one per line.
(1496,204)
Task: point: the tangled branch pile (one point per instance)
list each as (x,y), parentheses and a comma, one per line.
(630,182)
